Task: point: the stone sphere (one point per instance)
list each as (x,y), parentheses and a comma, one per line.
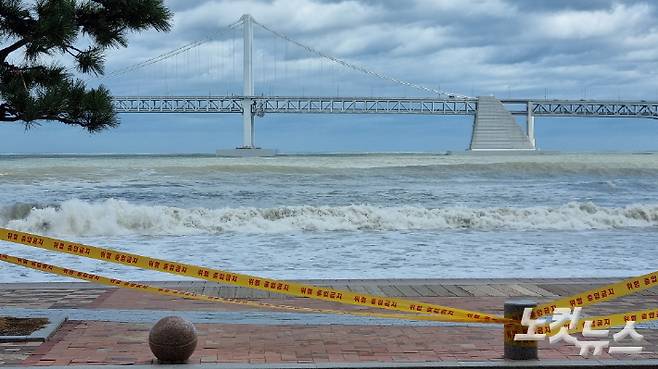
(173,339)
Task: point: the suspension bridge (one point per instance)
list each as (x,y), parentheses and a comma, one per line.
(495,127)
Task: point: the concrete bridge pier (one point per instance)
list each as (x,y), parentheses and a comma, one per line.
(495,128)
(530,125)
(247,125)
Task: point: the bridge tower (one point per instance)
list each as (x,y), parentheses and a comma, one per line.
(248,79)
(248,147)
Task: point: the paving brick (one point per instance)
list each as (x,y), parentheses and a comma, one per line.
(82,342)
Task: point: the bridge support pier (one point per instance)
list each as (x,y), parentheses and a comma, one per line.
(247,125)
(496,130)
(530,122)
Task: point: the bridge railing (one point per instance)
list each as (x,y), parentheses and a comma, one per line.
(587,108)
(361,105)
(177,104)
(379,105)
(283,104)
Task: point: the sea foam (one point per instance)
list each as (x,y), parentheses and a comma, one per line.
(119,217)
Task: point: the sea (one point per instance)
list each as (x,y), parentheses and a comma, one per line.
(341,216)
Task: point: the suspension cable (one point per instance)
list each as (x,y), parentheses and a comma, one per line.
(356,67)
(169,54)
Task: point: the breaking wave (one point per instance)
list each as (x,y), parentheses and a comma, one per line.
(119,217)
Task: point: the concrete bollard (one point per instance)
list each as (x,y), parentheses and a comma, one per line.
(518,350)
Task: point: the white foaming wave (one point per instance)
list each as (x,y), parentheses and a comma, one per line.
(119,217)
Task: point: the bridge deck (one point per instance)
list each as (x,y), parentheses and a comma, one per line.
(379,105)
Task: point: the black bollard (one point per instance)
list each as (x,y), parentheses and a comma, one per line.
(518,350)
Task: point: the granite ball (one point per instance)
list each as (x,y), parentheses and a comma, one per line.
(173,339)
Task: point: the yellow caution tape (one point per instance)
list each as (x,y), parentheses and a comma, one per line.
(600,294)
(617,320)
(94,278)
(605,321)
(248,281)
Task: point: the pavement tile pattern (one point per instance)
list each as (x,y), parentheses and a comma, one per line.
(101,342)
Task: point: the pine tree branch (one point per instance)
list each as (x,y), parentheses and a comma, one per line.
(7,115)
(4,53)
(31,91)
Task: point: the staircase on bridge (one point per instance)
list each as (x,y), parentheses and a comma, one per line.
(495,128)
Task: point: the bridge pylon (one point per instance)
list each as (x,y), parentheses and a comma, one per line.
(248,88)
(248,148)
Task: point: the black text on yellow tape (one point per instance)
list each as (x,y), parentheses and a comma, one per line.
(600,294)
(604,321)
(248,281)
(94,278)
(617,320)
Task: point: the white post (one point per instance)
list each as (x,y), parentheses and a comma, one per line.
(248,90)
(530,121)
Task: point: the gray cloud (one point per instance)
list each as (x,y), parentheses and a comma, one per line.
(524,48)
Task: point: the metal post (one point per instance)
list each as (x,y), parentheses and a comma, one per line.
(530,120)
(518,350)
(248,90)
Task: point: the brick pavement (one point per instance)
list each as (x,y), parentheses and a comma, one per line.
(120,343)
(98,342)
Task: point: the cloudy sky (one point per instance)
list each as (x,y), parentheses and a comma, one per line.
(552,48)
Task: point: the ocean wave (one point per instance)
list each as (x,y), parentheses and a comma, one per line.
(425,164)
(119,217)
(533,169)
(18,210)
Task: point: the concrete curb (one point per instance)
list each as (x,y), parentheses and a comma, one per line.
(54,322)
